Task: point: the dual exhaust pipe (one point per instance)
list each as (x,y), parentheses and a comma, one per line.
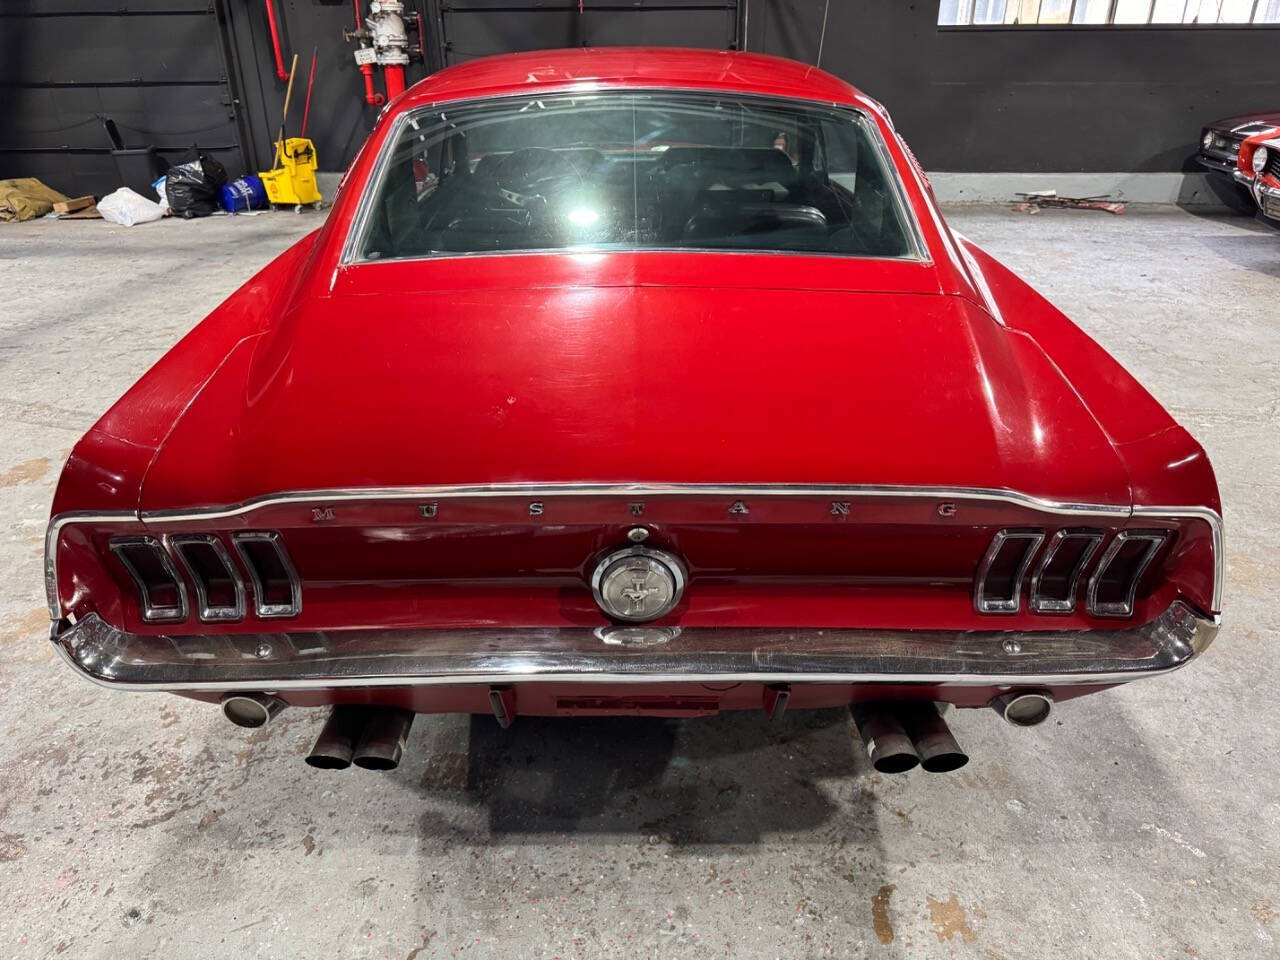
(372,738)
(901,736)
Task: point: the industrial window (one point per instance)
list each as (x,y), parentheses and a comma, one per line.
(1103,12)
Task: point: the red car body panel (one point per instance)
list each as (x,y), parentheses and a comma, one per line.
(654,369)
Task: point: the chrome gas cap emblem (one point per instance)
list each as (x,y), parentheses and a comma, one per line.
(638,584)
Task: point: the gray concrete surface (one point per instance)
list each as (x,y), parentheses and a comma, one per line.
(1140,823)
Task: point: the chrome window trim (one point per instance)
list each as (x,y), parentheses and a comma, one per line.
(360,219)
(984,604)
(204,611)
(150,612)
(1155,540)
(536,491)
(1041,604)
(262,609)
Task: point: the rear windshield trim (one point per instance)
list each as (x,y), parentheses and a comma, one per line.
(360,221)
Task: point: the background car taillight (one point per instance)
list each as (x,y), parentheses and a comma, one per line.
(162,596)
(1058,571)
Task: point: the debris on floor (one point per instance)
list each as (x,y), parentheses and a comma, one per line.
(1037,200)
(128,208)
(27,198)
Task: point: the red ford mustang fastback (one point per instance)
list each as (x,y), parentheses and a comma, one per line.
(634,381)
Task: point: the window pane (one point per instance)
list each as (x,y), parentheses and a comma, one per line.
(951,12)
(1132,11)
(1055,11)
(1171,11)
(1092,11)
(624,171)
(989,11)
(1236,11)
(1022,11)
(1268,12)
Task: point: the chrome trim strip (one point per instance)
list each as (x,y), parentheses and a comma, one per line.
(1011,604)
(1154,540)
(630,654)
(730,491)
(534,491)
(262,609)
(151,612)
(203,610)
(1040,604)
(1214,520)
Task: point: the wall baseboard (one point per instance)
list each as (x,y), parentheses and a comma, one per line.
(1195,189)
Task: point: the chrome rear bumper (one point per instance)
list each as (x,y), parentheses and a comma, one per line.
(382,658)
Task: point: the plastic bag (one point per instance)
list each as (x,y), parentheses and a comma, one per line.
(192,186)
(127,208)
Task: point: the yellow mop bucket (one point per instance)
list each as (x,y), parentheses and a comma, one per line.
(292,180)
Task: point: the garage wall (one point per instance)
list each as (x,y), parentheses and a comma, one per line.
(154,66)
(173,72)
(1033,98)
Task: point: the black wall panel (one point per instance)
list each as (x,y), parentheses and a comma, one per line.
(1028,98)
(153,66)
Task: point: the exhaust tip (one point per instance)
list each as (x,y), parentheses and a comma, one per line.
(383,738)
(335,745)
(895,762)
(886,741)
(932,738)
(1027,709)
(251,709)
(367,761)
(327,762)
(945,762)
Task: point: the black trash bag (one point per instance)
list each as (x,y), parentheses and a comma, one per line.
(191,187)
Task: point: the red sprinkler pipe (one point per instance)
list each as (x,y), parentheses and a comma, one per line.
(395,80)
(371,96)
(275,41)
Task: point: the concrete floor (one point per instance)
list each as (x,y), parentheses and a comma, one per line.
(1143,823)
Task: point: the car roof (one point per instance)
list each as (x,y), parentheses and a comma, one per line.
(631,67)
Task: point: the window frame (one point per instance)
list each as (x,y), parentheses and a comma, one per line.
(360,221)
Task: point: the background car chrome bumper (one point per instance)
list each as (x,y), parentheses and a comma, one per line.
(381,658)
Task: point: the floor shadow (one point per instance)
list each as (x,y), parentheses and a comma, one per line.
(725,780)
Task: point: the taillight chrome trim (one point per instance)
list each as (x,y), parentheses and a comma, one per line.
(984,604)
(150,611)
(1155,540)
(207,613)
(262,609)
(1042,604)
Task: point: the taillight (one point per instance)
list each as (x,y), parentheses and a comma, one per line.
(1057,576)
(219,587)
(1114,582)
(277,591)
(162,596)
(1000,576)
(1067,559)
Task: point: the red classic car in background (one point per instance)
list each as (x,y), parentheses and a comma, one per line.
(1220,141)
(634,381)
(1258,169)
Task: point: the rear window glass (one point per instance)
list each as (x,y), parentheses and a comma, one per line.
(626,171)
